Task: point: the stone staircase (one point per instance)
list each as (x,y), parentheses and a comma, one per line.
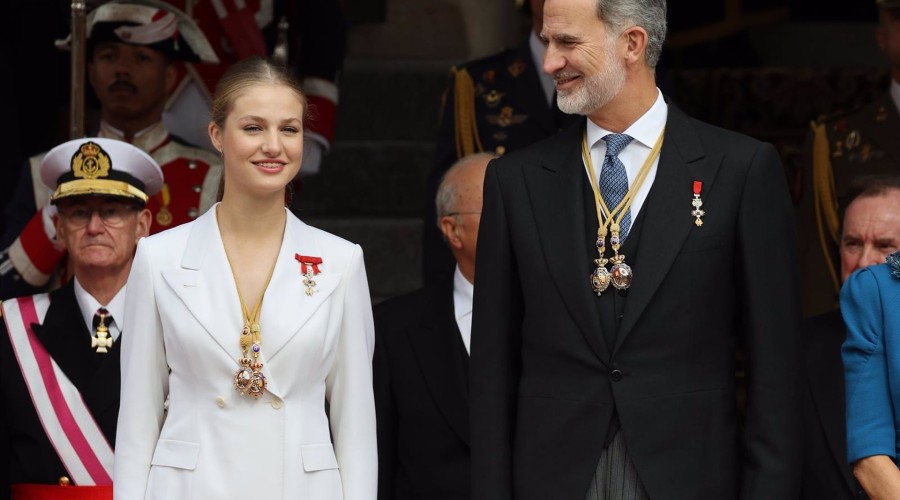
(371,188)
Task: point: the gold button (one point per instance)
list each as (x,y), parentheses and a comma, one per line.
(197,188)
(192,165)
(501,150)
(277,403)
(193,213)
(220,401)
(64,481)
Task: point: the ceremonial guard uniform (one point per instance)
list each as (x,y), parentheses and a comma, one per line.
(497,104)
(59,371)
(307,35)
(30,258)
(843,147)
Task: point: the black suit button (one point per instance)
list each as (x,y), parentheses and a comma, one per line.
(615,375)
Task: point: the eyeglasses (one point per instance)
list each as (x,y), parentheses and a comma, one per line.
(454,214)
(112,215)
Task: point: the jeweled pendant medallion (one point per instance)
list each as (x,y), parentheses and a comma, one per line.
(621,272)
(257,385)
(600,278)
(243,378)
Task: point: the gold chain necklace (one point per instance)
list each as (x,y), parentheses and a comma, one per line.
(621,274)
(249,379)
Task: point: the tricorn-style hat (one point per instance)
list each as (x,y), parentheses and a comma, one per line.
(95,166)
(150,23)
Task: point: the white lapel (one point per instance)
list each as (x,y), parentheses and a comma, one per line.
(206,286)
(286,306)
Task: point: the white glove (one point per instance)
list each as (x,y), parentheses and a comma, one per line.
(49,213)
(312,156)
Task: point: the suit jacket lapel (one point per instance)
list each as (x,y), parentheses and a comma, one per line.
(442,359)
(205,285)
(667,222)
(286,306)
(557,203)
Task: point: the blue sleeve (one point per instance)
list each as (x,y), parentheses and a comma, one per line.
(870,409)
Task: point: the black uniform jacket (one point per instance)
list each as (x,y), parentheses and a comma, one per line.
(29,457)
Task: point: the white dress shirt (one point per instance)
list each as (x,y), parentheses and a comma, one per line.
(644,132)
(538,49)
(463,291)
(89,305)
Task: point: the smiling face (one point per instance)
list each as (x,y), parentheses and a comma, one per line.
(131,83)
(583,56)
(100,233)
(261,139)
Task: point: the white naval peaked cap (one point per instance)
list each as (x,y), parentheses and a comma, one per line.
(95,166)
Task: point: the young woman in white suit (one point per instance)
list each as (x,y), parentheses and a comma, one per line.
(242,325)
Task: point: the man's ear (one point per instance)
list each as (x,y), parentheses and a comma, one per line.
(60,232)
(635,44)
(170,78)
(143,224)
(449,227)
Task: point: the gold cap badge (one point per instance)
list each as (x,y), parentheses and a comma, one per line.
(90,162)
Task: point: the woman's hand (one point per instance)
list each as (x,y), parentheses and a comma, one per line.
(879,476)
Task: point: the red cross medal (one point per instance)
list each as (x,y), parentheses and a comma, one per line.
(309,268)
(697,203)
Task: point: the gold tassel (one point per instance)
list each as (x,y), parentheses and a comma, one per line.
(825,199)
(466,128)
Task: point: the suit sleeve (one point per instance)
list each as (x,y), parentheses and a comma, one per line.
(870,415)
(384,410)
(145,379)
(770,321)
(349,391)
(495,350)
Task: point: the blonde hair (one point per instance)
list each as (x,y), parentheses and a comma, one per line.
(245,74)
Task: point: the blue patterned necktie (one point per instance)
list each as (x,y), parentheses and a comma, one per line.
(614,179)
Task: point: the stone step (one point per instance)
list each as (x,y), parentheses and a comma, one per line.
(391,100)
(369,178)
(391,247)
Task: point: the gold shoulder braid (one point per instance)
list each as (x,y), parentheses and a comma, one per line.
(465,127)
(825,199)
(621,274)
(248,378)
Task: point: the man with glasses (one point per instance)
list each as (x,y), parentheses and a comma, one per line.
(422,358)
(59,355)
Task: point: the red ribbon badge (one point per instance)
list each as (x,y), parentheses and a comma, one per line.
(305,260)
(698,185)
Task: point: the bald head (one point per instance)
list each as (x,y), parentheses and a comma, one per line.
(458,205)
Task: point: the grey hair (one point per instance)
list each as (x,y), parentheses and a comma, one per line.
(448,194)
(648,14)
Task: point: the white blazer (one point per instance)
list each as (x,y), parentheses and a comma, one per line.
(184,322)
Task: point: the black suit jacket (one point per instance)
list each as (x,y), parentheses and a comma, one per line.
(420,376)
(27,453)
(826,473)
(544,383)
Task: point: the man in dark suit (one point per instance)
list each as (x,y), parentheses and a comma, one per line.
(421,361)
(870,232)
(582,389)
(496,104)
(842,147)
(59,355)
